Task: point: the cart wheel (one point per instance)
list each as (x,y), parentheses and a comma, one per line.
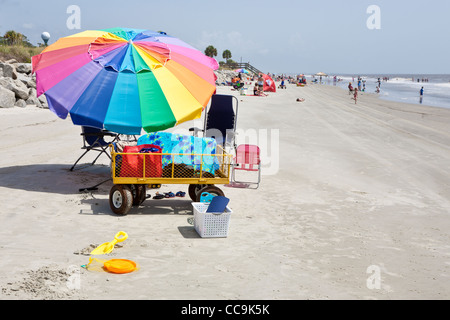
(139,192)
(194,189)
(215,191)
(120,199)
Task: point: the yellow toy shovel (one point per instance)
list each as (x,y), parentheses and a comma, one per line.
(107,247)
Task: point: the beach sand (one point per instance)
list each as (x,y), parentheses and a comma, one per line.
(354,203)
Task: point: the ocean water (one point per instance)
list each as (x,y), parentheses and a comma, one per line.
(402,88)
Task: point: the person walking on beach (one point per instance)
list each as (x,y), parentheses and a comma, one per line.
(355,95)
(421,94)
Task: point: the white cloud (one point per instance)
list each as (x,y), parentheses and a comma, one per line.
(207,38)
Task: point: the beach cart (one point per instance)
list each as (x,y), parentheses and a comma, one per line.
(139,167)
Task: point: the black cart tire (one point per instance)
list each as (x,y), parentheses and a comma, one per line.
(194,189)
(120,199)
(215,191)
(139,192)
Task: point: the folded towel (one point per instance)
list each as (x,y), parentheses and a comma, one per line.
(186,149)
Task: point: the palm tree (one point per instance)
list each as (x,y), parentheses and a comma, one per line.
(210,51)
(226,55)
(13,38)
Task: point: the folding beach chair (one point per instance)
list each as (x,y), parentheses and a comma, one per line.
(220,123)
(248,159)
(220,120)
(94,139)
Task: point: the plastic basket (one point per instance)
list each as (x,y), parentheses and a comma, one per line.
(211,224)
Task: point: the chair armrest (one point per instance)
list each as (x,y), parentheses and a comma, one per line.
(109,133)
(99,134)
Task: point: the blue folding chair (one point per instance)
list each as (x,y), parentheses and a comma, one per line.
(94,140)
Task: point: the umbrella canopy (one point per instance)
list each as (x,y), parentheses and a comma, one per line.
(242,71)
(269,84)
(321,74)
(125,80)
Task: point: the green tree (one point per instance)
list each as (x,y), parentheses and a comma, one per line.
(226,55)
(210,51)
(13,38)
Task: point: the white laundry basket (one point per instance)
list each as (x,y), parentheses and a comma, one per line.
(211,224)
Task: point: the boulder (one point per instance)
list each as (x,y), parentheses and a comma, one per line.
(7,98)
(21,90)
(43,100)
(18,87)
(32,99)
(20,103)
(23,67)
(23,77)
(9,71)
(11,61)
(31,83)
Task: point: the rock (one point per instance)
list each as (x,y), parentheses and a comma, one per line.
(23,77)
(11,61)
(9,71)
(23,67)
(43,100)
(7,98)
(224,76)
(31,83)
(21,103)
(32,99)
(21,90)
(18,87)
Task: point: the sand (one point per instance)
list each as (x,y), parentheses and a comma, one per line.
(354,203)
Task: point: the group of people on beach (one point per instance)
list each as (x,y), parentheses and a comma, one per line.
(423,79)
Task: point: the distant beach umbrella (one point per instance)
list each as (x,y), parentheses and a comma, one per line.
(242,71)
(321,74)
(125,80)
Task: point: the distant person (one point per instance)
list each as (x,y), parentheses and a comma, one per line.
(350,88)
(257,91)
(355,95)
(421,95)
(261,82)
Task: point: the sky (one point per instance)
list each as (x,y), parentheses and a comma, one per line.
(284,36)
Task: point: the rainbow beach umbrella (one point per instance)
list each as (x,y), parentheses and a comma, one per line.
(242,70)
(125,80)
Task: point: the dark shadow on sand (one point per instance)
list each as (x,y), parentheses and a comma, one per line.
(52,178)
